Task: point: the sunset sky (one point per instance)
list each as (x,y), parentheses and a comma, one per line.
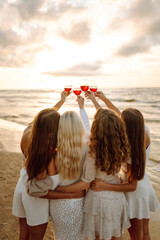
(46,43)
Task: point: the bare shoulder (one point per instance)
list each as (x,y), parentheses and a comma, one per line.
(25,139)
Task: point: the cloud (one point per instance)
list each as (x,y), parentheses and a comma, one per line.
(79,33)
(137,13)
(13,38)
(9,37)
(42,9)
(142,9)
(148,38)
(79,70)
(142,18)
(29,9)
(134,47)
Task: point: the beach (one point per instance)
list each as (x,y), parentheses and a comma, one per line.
(10,166)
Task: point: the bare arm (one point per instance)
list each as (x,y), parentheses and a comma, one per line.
(90,95)
(61,195)
(75,187)
(108,103)
(59,104)
(100,185)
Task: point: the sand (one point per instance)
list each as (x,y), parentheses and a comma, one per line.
(10,166)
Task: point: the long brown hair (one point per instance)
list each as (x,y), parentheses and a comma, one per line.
(135,128)
(108,141)
(43,141)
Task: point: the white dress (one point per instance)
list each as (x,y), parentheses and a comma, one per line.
(35,210)
(105,212)
(143,199)
(67,214)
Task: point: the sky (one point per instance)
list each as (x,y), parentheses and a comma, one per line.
(47,44)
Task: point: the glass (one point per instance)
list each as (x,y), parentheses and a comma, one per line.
(93,86)
(76,88)
(67,88)
(84,86)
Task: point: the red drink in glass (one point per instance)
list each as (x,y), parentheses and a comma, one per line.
(93,89)
(84,88)
(77,92)
(67,89)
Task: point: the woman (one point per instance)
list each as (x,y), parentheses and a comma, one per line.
(67,214)
(33,212)
(140,195)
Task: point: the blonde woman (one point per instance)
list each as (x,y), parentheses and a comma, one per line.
(67,214)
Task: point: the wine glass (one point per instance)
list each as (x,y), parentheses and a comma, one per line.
(84,86)
(76,88)
(93,86)
(67,88)
(77,91)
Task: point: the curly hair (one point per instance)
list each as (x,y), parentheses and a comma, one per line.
(70,142)
(108,141)
(135,128)
(42,142)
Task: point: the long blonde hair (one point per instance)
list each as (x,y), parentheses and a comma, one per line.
(108,141)
(70,142)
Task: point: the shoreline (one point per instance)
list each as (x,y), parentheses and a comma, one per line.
(11,134)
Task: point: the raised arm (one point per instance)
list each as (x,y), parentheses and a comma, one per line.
(90,95)
(108,103)
(84,116)
(59,104)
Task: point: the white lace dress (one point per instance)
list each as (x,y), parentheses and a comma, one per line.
(105,212)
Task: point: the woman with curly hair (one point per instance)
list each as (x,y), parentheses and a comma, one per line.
(138,189)
(105,213)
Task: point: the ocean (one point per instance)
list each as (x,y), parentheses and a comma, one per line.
(20,106)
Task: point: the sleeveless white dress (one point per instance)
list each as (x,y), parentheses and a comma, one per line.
(143,199)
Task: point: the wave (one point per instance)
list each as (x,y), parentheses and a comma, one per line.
(157,168)
(130,100)
(152,120)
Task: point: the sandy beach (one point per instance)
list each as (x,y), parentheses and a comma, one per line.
(10,165)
